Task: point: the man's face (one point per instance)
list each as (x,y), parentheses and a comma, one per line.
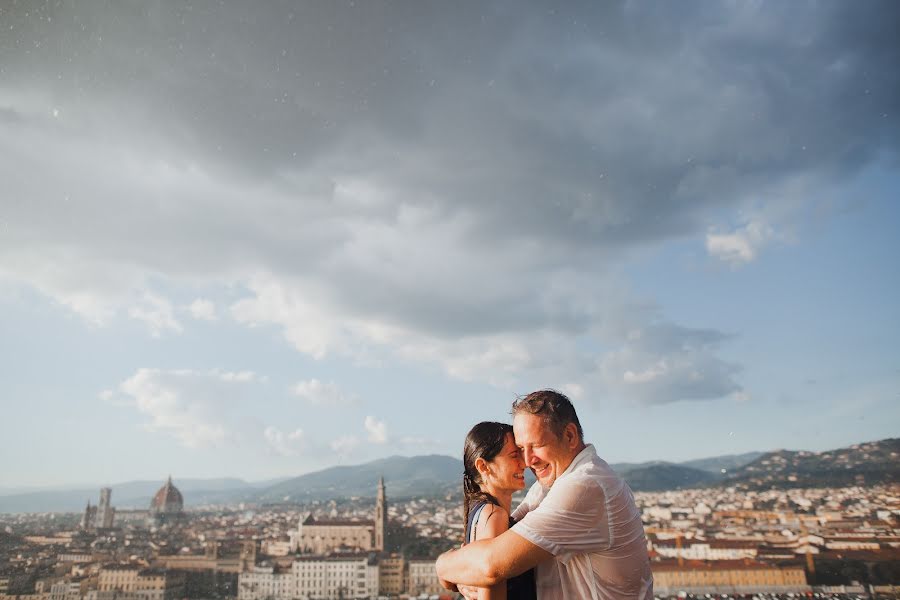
(542,450)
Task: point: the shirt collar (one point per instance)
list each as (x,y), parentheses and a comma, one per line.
(582,457)
(585,456)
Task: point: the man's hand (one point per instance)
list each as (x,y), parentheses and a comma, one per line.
(469,592)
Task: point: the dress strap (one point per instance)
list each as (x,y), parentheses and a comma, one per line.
(473,521)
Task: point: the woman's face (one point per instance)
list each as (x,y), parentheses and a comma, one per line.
(508,468)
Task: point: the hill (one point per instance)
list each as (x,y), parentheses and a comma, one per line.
(861,464)
(407,476)
(131,494)
(729,462)
(435,475)
(662,476)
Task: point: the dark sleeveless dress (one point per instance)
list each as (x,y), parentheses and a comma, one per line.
(520,587)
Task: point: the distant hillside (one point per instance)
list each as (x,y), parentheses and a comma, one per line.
(131,494)
(728,462)
(405,476)
(862,464)
(666,476)
(657,476)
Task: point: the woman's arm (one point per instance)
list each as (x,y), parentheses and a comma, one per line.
(492,521)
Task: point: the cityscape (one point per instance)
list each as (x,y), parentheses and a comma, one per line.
(724,540)
(263,265)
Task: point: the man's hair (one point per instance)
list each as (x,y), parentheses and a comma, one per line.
(555,408)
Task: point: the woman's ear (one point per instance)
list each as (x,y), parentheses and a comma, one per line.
(482,467)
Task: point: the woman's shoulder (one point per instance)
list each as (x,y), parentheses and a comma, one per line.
(492,521)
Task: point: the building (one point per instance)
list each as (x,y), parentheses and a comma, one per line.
(727,577)
(100,516)
(89,517)
(706,550)
(167,502)
(380,516)
(392,575)
(350,576)
(105,512)
(211,561)
(337,576)
(69,589)
(321,536)
(132,582)
(423,578)
(265,581)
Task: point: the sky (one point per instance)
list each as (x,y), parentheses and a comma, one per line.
(258,240)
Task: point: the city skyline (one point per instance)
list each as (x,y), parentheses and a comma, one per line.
(262,241)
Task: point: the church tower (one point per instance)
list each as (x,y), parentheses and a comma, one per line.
(380,516)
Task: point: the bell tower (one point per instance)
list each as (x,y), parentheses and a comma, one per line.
(380,516)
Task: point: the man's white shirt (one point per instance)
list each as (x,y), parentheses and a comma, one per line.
(589,521)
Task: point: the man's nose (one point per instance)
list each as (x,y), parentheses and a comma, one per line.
(527,457)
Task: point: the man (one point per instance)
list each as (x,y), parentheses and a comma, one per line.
(578,524)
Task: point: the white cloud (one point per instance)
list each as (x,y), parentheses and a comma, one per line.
(321,393)
(198,408)
(284,444)
(352,253)
(742,245)
(663,363)
(741,396)
(649,374)
(377,430)
(203,309)
(157,313)
(574,391)
(237,376)
(344,445)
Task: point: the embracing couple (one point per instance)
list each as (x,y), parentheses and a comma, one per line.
(577,534)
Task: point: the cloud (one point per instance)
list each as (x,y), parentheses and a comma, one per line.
(197,408)
(157,313)
(203,309)
(284,444)
(574,391)
(237,376)
(664,363)
(467,200)
(344,445)
(319,393)
(377,430)
(742,245)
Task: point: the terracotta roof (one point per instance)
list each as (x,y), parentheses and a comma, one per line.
(712,565)
(167,499)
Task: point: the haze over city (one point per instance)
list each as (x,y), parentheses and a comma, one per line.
(260,240)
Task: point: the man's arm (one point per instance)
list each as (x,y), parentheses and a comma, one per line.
(488,562)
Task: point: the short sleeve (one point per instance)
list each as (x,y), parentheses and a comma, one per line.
(571,519)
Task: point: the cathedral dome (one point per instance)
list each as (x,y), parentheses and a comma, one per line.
(167,500)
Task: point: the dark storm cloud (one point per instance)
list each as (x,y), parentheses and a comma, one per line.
(444,169)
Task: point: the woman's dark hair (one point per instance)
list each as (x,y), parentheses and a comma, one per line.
(485,440)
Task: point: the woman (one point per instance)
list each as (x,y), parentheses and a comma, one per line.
(493,471)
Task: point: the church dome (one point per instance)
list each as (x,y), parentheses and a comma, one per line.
(167,500)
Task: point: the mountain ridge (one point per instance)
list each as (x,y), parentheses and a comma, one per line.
(436,474)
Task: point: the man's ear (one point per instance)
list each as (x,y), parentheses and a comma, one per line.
(570,435)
